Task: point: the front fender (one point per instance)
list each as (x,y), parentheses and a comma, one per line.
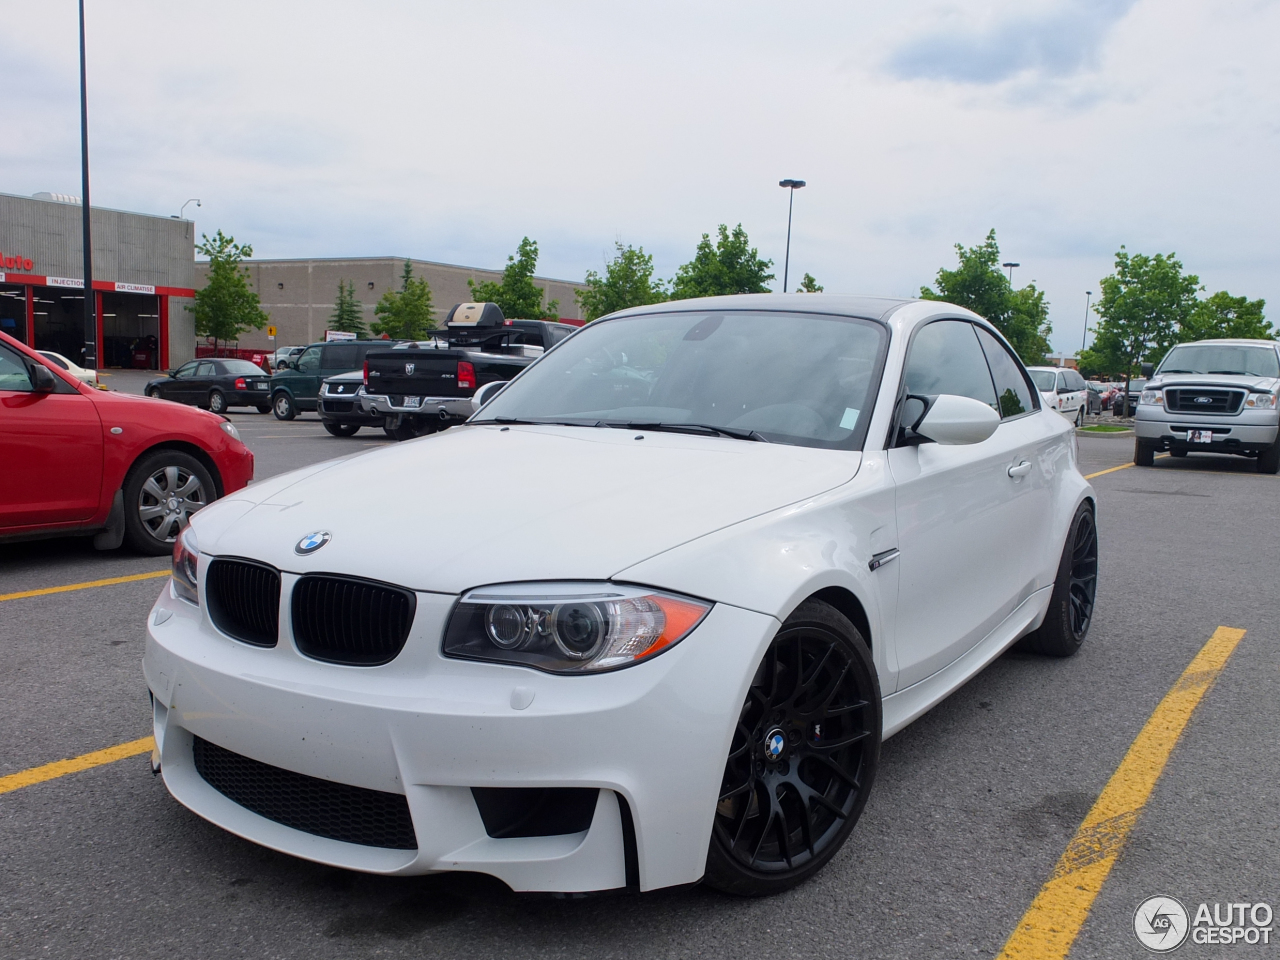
(773,562)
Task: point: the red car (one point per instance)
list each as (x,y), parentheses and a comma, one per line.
(75,461)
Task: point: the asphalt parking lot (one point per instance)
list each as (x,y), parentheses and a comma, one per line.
(974,805)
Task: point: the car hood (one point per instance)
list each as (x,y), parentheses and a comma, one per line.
(484,504)
(1211,380)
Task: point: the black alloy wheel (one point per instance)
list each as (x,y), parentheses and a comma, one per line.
(802,759)
(1075,592)
(282,406)
(217,401)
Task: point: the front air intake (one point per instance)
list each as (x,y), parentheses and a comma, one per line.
(348,620)
(372,818)
(244,600)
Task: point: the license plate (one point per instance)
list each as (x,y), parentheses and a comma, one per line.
(413,401)
(1200,436)
(257,385)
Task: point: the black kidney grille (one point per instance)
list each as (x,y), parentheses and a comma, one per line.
(351,621)
(338,811)
(244,600)
(1193,400)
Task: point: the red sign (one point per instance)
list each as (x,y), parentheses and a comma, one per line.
(16,262)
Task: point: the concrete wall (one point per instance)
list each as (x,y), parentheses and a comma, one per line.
(127,247)
(299,295)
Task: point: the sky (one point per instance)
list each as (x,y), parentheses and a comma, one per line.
(449,131)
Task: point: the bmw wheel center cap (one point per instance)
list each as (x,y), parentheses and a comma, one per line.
(312,542)
(775,744)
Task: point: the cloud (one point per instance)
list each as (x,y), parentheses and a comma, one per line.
(1056,42)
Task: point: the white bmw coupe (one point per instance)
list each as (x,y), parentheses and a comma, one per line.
(645,619)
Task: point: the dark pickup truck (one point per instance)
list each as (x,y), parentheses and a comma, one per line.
(424,386)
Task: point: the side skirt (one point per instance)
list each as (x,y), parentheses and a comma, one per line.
(906,705)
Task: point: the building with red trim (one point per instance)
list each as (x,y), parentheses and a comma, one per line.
(144,278)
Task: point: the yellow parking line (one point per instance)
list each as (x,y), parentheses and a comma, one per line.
(1123,466)
(110,581)
(60,768)
(1050,925)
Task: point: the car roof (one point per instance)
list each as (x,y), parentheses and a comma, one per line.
(1230,341)
(871,308)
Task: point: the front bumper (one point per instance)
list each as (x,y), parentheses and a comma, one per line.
(348,410)
(1245,432)
(445,408)
(655,736)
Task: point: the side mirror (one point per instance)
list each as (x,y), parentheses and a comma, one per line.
(1147,370)
(488,392)
(42,379)
(952,421)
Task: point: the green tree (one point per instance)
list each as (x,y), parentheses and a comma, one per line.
(517,295)
(1223,315)
(226,307)
(979,284)
(731,266)
(405,314)
(627,282)
(348,314)
(1143,307)
(809,285)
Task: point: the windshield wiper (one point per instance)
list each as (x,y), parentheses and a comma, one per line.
(737,433)
(518,421)
(1229,373)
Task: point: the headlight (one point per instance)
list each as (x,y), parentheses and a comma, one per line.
(186,553)
(1154,397)
(230,430)
(569,627)
(1261,401)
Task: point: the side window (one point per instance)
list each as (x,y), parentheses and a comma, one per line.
(946,358)
(309,362)
(1075,381)
(13,371)
(205,370)
(186,370)
(1016,397)
(339,356)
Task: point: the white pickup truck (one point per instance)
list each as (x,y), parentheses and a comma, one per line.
(1218,396)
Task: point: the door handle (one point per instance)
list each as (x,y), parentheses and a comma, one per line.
(1021,470)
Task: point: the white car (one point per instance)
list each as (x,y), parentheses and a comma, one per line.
(645,619)
(1064,390)
(80,373)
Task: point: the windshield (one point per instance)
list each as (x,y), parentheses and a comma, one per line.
(1046,380)
(1225,358)
(787,378)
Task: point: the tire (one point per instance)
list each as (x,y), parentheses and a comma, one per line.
(151,392)
(1176,452)
(264,408)
(1269,459)
(161,491)
(342,429)
(282,406)
(1080,417)
(816,787)
(1144,452)
(404,430)
(1075,592)
(217,402)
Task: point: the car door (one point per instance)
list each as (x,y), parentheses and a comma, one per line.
(50,448)
(963,557)
(172,388)
(304,379)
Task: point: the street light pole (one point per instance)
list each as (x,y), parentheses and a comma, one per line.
(792,186)
(1011,266)
(90,300)
(1088,296)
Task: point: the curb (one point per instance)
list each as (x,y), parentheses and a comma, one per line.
(1122,434)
